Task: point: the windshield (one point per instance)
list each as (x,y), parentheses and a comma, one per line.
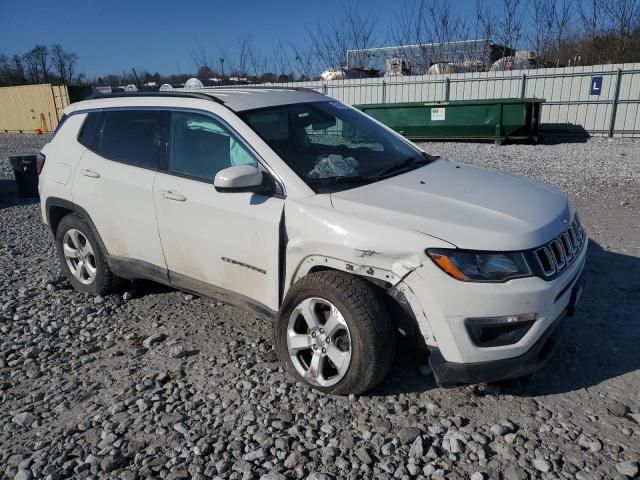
(332,146)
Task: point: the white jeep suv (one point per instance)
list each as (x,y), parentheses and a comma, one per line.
(307,211)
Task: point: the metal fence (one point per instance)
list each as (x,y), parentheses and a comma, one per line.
(602,100)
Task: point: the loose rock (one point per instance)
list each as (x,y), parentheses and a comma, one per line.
(630,469)
(110,387)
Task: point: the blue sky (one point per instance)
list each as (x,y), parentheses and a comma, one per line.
(110,36)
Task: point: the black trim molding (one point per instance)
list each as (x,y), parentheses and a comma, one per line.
(137,269)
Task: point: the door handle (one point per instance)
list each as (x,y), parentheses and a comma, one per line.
(87,172)
(172,195)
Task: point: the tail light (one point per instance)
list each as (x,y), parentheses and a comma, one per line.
(40,159)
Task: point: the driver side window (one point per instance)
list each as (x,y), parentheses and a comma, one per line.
(200,147)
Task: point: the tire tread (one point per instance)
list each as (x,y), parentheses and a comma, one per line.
(105,279)
(369,314)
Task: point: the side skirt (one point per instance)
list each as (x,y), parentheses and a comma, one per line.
(137,269)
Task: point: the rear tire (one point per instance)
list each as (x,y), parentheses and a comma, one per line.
(82,260)
(334,334)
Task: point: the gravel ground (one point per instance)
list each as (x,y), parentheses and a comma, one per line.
(151,382)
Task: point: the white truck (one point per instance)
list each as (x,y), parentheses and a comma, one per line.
(308,212)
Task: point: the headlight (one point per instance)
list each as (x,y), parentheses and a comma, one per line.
(470,266)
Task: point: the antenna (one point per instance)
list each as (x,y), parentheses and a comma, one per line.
(137,79)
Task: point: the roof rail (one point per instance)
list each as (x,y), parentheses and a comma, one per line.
(256,87)
(200,96)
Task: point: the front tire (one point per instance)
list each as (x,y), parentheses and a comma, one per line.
(334,334)
(83,262)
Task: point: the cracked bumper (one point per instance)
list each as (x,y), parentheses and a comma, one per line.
(441,305)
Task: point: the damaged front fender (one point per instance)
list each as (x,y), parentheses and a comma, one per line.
(318,237)
(408,300)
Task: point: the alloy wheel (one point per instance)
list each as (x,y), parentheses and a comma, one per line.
(79,256)
(319,342)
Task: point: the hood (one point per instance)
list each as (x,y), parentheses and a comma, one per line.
(470,207)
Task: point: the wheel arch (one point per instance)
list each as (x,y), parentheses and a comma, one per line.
(398,307)
(58,208)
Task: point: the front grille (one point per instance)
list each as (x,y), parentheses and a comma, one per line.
(556,256)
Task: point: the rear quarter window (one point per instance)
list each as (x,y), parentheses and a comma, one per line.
(90,132)
(60,123)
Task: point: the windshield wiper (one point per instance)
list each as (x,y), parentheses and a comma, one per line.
(409,164)
(340,179)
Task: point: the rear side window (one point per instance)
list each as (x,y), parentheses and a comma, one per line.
(60,123)
(135,137)
(89,134)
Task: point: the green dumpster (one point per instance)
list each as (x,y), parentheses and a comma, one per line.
(497,119)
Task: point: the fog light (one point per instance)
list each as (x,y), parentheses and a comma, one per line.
(499,331)
(527,317)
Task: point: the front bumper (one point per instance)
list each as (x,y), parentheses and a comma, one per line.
(441,305)
(452,373)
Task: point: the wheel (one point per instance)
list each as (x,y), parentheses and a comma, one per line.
(82,261)
(334,334)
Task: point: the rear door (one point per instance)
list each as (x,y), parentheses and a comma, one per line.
(221,243)
(113,181)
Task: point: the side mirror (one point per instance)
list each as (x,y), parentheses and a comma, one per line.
(239,178)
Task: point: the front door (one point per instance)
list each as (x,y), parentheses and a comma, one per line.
(222,243)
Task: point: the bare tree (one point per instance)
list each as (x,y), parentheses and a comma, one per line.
(410,26)
(38,64)
(564,11)
(60,62)
(432,31)
(237,62)
(414,30)
(624,17)
(305,61)
(19,70)
(540,34)
(282,63)
(6,72)
(448,26)
(32,66)
(72,60)
(202,60)
(485,20)
(592,20)
(256,62)
(205,72)
(591,17)
(360,31)
(64,64)
(509,27)
(244,54)
(353,30)
(41,55)
(554,20)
